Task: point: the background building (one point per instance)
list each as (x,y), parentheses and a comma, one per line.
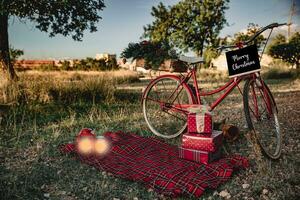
(105,56)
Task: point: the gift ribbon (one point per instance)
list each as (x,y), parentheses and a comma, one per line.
(200,122)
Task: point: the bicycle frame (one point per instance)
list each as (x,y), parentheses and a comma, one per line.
(228,87)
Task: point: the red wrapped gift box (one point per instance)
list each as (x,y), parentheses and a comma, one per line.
(202,142)
(204,157)
(199,122)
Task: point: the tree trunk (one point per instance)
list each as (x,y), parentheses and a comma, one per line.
(4,48)
(199,53)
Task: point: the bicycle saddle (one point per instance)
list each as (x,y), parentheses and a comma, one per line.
(191,60)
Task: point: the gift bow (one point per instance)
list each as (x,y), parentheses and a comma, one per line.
(199,109)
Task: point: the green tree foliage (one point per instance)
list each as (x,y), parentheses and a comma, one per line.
(278,39)
(154,53)
(212,52)
(188,25)
(66,17)
(288,52)
(95,65)
(244,36)
(209,54)
(15,54)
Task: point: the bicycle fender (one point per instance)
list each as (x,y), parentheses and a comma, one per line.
(272,97)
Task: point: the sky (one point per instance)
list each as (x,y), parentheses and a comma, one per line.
(123,20)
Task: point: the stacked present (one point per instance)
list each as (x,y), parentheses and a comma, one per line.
(201,143)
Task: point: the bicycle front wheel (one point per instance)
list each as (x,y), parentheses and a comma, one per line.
(261,116)
(158,100)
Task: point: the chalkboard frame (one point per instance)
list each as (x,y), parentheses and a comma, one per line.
(244,60)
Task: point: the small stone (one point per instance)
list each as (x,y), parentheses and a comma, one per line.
(135,198)
(265,191)
(116,199)
(224,194)
(245,185)
(150,190)
(47,195)
(215,193)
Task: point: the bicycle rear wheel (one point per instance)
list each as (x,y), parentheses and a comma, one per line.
(158,100)
(261,116)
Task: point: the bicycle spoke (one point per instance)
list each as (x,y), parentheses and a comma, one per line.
(164,85)
(157,101)
(264,121)
(162,116)
(175,116)
(155,91)
(265,100)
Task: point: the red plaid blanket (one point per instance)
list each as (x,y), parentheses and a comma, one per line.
(157,165)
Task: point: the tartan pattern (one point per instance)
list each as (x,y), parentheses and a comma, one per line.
(156,164)
(204,157)
(202,142)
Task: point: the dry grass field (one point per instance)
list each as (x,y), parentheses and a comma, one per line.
(46,109)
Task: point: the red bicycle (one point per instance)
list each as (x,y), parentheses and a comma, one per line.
(166,97)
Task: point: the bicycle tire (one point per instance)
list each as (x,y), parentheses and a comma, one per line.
(162,123)
(259,125)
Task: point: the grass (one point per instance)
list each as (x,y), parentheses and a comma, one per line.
(209,75)
(45,87)
(32,168)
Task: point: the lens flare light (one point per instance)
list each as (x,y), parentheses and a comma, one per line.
(85,145)
(91,145)
(101,146)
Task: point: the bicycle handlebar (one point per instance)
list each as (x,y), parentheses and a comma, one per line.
(270,26)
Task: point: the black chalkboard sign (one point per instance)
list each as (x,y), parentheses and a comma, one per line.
(243,61)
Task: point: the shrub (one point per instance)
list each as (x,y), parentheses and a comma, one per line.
(281,73)
(46,67)
(65,65)
(90,64)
